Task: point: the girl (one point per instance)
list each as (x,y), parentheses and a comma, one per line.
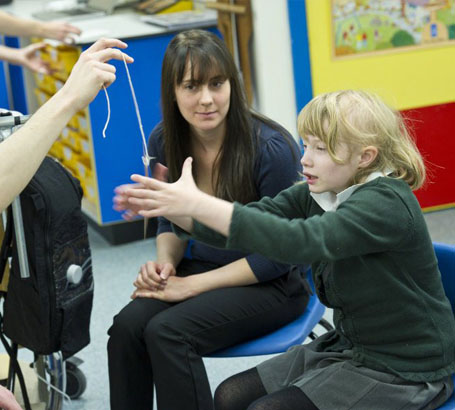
(359,224)
(215,298)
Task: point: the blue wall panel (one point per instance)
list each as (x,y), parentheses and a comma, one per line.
(16,75)
(300,52)
(3,89)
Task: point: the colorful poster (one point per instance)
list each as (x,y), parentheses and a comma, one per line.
(364,26)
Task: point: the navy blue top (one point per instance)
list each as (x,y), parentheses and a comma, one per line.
(276,167)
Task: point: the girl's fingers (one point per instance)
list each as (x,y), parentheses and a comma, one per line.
(140,194)
(148,182)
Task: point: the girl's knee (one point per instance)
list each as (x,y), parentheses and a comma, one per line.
(222,396)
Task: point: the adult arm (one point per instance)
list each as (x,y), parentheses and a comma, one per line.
(15,26)
(22,153)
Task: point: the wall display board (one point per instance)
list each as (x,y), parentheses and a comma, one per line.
(371,26)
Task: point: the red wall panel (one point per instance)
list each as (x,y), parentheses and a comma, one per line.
(434,130)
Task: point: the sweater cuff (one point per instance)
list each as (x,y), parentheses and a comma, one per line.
(209,236)
(181,233)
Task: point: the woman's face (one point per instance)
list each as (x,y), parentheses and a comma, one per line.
(204,106)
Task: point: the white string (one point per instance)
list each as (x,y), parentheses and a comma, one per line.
(145,158)
(108,112)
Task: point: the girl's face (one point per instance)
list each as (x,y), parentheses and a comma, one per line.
(204,106)
(321,172)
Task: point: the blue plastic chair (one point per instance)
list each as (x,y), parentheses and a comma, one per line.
(446,261)
(280,340)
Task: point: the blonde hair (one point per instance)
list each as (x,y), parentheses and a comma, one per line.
(362,119)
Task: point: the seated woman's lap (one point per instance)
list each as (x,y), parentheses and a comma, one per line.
(211,320)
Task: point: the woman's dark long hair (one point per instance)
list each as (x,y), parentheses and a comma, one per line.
(207,54)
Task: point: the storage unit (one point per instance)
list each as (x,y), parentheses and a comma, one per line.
(100,163)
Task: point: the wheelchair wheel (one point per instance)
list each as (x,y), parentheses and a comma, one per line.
(76,381)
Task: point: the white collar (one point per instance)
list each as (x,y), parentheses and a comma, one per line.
(329,201)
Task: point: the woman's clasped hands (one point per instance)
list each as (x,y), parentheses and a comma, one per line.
(158,281)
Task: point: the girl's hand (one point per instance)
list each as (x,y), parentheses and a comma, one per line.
(159,198)
(121,203)
(176,290)
(120,199)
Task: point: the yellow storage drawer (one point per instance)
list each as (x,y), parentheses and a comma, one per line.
(79,123)
(57,150)
(41,96)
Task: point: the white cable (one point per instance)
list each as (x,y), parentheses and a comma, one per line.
(145,158)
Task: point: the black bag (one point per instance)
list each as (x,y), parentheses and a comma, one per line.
(49,311)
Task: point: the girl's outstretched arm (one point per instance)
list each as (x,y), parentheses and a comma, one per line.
(180,202)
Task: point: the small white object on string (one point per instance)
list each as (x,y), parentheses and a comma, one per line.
(145,157)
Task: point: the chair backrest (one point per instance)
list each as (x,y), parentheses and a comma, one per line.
(279,341)
(446,261)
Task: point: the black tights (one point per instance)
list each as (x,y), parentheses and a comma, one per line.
(246,391)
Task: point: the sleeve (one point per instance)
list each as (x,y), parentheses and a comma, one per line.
(372,220)
(277,169)
(287,205)
(156,151)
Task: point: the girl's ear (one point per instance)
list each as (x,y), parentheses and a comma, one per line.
(367,156)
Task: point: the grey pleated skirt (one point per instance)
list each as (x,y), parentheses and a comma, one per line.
(334,381)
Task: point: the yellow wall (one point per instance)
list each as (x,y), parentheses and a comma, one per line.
(406,79)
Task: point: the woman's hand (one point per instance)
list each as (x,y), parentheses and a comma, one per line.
(154,276)
(175,290)
(158,198)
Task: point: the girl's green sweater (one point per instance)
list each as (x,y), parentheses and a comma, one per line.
(373,262)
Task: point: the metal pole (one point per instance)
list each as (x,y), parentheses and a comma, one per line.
(20,238)
(10,123)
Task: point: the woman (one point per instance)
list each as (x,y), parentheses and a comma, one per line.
(215,298)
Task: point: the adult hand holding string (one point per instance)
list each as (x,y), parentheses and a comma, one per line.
(92,72)
(180,201)
(26,148)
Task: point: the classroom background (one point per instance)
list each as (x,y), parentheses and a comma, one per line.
(288,51)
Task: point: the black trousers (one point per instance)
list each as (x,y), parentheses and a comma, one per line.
(155,343)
